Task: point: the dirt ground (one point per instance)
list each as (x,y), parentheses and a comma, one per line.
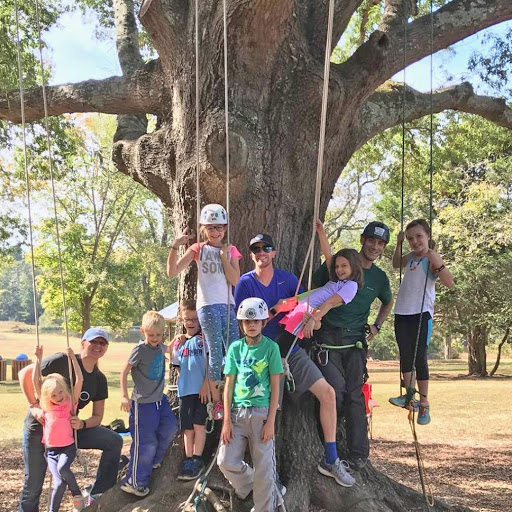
(477,477)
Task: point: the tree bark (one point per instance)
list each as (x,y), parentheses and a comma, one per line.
(477,342)
(275,78)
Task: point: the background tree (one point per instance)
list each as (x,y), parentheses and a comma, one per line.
(275,75)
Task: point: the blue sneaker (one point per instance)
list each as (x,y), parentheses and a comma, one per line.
(400,401)
(196,468)
(424,415)
(186,470)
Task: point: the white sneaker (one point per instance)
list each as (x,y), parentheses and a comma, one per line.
(338,471)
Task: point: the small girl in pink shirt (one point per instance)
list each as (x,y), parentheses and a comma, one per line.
(59,406)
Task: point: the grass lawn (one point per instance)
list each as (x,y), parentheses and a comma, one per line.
(464,410)
(13,405)
(467,448)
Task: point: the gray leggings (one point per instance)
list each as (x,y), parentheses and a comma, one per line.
(59,464)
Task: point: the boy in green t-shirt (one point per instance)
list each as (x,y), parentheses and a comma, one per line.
(251,395)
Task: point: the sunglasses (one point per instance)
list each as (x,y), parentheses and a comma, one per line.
(264,248)
(101,343)
(211,229)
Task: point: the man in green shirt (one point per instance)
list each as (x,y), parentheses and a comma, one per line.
(345,368)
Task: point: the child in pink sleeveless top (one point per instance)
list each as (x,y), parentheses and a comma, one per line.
(59,406)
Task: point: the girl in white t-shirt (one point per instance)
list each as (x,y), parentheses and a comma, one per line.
(218,270)
(414,309)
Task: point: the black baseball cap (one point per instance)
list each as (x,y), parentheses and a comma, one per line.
(377,230)
(262,238)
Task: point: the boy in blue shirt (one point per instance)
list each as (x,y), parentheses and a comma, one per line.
(152,422)
(251,396)
(190,356)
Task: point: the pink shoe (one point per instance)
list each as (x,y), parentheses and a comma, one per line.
(218,411)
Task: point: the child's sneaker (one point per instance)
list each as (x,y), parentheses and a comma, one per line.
(196,468)
(218,411)
(338,471)
(400,401)
(186,469)
(139,490)
(79,503)
(424,414)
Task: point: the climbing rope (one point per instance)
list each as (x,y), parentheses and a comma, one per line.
(410,389)
(318,180)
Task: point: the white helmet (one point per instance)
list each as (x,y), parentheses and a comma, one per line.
(252,308)
(213,214)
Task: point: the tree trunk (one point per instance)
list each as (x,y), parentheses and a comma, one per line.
(498,356)
(299,449)
(448,346)
(477,342)
(86,313)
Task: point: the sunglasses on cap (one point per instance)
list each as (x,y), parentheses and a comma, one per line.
(264,248)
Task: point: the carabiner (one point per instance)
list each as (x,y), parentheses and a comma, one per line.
(322,357)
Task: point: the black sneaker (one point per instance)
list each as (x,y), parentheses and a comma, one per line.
(357,464)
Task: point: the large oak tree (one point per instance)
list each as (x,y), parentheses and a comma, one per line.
(275,53)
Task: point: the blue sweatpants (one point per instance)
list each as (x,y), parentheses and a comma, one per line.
(214,324)
(153,427)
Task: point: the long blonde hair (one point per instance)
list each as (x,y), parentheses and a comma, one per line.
(50,383)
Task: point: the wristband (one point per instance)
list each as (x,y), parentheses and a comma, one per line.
(34,404)
(442,267)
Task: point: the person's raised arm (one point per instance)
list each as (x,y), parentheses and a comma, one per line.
(324,242)
(36,373)
(175,266)
(397,261)
(79,378)
(231,265)
(123,381)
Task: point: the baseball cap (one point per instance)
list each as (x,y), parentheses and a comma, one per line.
(93,333)
(377,230)
(262,238)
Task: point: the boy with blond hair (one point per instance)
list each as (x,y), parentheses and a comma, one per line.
(152,422)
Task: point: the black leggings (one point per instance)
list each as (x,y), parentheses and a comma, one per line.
(406,332)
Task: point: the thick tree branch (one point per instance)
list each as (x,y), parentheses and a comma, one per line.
(129,127)
(144,92)
(168,26)
(384,108)
(395,11)
(451,23)
(313,18)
